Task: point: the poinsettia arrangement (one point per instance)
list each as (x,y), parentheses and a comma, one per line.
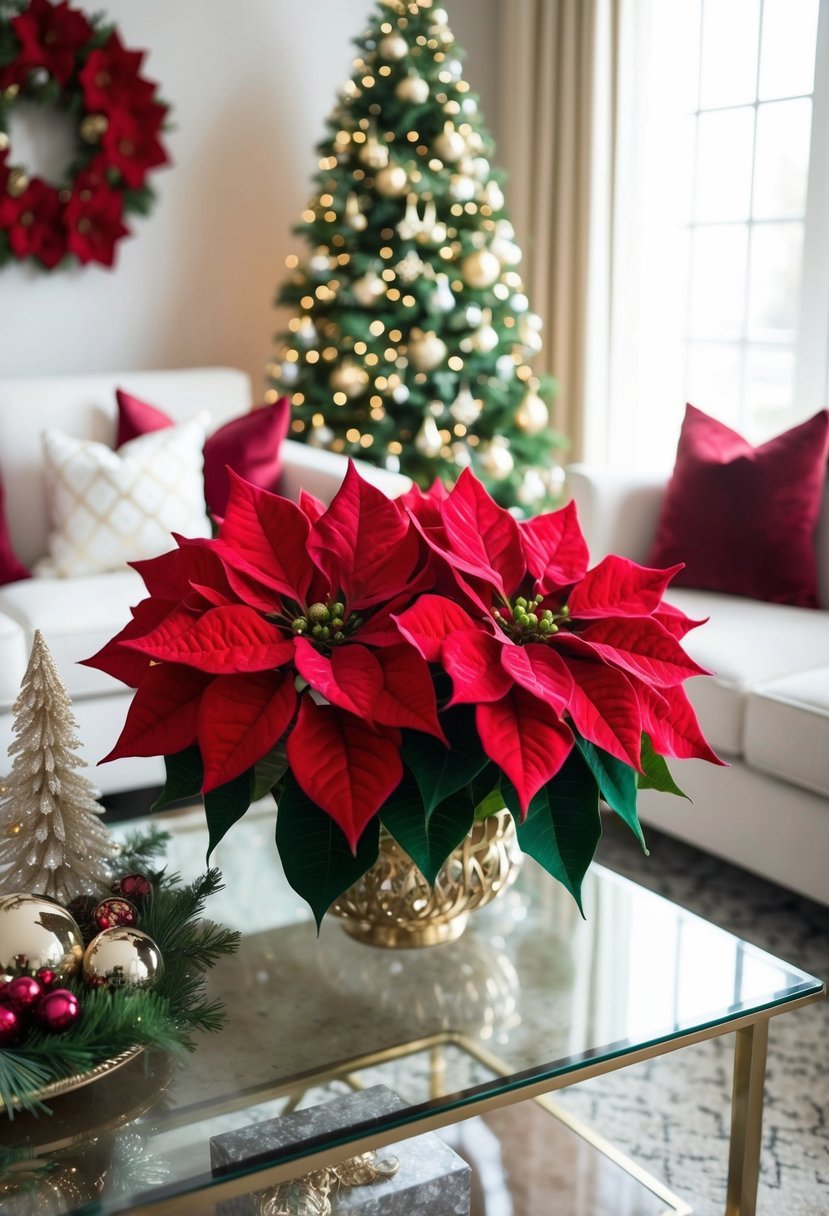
(414,662)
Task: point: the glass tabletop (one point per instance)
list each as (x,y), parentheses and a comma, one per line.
(531,993)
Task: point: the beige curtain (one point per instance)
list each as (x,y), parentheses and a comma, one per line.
(557,121)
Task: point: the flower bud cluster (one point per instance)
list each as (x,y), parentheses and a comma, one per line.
(325,623)
(528,622)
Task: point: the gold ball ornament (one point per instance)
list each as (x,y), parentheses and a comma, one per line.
(480,269)
(368,289)
(393,46)
(426,350)
(92,127)
(532,414)
(391,181)
(450,145)
(348,378)
(427,440)
(36,932)
(374,155)
(122,957)
(413,89)
(18,182)
(496,459)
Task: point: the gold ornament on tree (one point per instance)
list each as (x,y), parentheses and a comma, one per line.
(496,459)
(426,350)
(392,181)
(413,89)
(353,215)
(466,409)
(450,145)
(532,414)
(51,839)
(349,378)
(373,154)
(393,46)
(480,269)
(368,289)
(427,440)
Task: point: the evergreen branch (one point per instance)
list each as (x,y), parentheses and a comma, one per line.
(141,849)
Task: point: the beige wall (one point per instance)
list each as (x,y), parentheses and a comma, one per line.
(251,83)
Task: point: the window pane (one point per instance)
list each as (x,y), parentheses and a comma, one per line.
(718,282)
(730,35)
(684,19)
(781,169)
(724,145)
(774,286)
(787,58)
(714,374)
(769,391)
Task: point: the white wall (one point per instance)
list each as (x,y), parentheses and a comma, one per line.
(250,83)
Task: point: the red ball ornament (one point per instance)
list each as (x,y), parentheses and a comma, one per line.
(46,977)
(134,887)
(22,992)
(57,1010)
(11,1026)
(115,913)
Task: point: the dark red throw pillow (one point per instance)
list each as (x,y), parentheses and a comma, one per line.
(11,568)
(249,444)
(741,518)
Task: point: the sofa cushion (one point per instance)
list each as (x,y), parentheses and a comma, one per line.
(743,519)
(11,568)
(745,643)
(76,617)
(787,729)
(107,508)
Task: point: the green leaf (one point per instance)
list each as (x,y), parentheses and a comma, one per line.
(563,824)
(491,804)
(315,854)
(440,770)
(428,842)
(657,775)
(268,771)
(184,778)
(225,805)
(617,784)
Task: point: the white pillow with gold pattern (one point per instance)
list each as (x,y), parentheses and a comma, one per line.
(107,508)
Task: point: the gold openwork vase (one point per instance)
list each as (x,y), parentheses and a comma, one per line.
(393,904)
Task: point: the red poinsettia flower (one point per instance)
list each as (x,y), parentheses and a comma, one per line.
(131,145)
(34,222)
(50,36)
(93,219)
(111,78)
(544,645)
(283,623)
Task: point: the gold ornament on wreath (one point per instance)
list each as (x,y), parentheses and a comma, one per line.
(37,935)
(76,65)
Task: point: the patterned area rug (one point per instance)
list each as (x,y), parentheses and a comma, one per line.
(672,1114)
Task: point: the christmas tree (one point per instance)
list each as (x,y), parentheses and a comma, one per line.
(411,330)
(51,839)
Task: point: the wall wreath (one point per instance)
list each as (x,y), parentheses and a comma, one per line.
(59,58)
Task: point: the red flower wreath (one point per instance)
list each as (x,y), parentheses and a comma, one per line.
(55,55)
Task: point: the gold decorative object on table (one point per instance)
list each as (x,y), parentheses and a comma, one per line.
(393,904)
(309,1195)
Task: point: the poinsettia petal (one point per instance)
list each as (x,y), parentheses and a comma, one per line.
(473,660)
(120,661)
(431,619)
(526,739)
(619,587)
(171,574)
(163,714)
(641,646)
(310,505)
(424,505)
(675,620)
(407,697)
(345,766)
(240,719)
(222,641)
(363,543)
(270,534)
(484,538)
(350,678)
(555,548)
(670,721)
(539,670)
(606,709)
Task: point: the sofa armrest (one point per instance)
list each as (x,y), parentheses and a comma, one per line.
(618,511)
(320,473)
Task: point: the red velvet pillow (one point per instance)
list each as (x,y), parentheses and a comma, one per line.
(11,569)
(742,518)
(249,444)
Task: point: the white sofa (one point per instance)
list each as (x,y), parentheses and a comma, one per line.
(77,615)
(766,711)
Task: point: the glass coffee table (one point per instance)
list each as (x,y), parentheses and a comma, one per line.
(531,999)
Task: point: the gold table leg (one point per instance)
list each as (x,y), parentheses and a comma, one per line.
(746,1118)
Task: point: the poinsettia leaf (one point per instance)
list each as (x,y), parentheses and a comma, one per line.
(639,645)
(670,720)
(525,738)
(316,856)
(223,641)
(184,778)
(427,843)
(484,537)
(655,773)
(350,677)
(270,534)
(473,659)
(269,771)
(225,805)
(120,661)
(439,770)
(619,587)
(240,719)
(541,671)
(407,695)
(563,824)
(555,548)
(430,620)
(617,784)
(163,714)
(605,707)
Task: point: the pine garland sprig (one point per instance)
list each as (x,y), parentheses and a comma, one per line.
(141,850)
